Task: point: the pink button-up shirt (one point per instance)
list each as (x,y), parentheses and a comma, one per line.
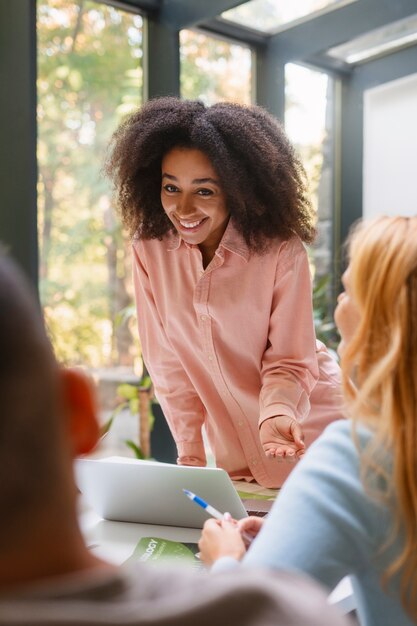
(232,345)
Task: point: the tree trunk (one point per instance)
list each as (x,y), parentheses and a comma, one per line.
(144,415)
(47,225)
(119,297)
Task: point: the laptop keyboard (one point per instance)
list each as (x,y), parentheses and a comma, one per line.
(258,508)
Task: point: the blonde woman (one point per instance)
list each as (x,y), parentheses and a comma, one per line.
(350,507)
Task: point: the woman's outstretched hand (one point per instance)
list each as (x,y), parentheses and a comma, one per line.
(282,437)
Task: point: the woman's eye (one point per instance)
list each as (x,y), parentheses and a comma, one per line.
(170,188)
(205,192)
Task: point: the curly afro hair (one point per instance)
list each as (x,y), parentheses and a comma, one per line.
(263,180)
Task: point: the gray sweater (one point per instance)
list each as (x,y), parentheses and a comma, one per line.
(149,596)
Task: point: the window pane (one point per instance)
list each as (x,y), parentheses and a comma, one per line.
(214,70)
(89,77)
(308,122)
(270,16)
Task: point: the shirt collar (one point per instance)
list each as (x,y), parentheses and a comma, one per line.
(232,240)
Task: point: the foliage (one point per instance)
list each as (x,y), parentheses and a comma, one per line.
(129,396)
(135,448)
(325,327)
(214,70)
(89,76)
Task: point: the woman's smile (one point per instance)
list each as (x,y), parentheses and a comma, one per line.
(191,225)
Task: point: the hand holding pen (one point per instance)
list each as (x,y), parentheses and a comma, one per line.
(217,514)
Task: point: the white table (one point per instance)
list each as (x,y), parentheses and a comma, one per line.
(116,541)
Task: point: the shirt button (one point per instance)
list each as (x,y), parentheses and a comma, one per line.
(254,461)
(210,358)
(203,318)
(241,423)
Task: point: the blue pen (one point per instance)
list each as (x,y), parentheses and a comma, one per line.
(207,507)
(212,511)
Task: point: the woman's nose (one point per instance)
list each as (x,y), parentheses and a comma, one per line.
(184,206)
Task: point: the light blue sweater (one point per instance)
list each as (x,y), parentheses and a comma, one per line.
(325,525)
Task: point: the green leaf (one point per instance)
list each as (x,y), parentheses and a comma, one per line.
(127,391)
(134,405)
(145,382)
(124,315)
(108,424)
(136,449)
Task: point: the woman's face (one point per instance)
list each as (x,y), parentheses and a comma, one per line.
(346,315)
(193,198)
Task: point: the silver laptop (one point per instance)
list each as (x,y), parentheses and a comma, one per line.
(149,492)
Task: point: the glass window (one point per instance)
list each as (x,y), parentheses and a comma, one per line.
(214,70)
(270,16)
(309,125)
(89,77)
(378,42)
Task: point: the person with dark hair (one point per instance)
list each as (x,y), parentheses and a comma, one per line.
(47,573)
(216,200)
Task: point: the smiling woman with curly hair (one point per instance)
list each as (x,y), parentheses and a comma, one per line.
(216,201)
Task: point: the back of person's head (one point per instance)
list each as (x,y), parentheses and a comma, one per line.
(31,428)
(263,179)
(380,368)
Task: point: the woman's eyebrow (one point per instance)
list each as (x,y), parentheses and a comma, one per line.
(199,181)
(195,181)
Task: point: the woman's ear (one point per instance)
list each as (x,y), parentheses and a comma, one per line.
(80,408)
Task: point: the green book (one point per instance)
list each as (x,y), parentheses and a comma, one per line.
(156,550)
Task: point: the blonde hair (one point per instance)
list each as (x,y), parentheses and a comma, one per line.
(381,359)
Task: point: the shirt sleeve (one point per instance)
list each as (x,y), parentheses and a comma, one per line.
(322,523)
(289,366)
(180,403)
